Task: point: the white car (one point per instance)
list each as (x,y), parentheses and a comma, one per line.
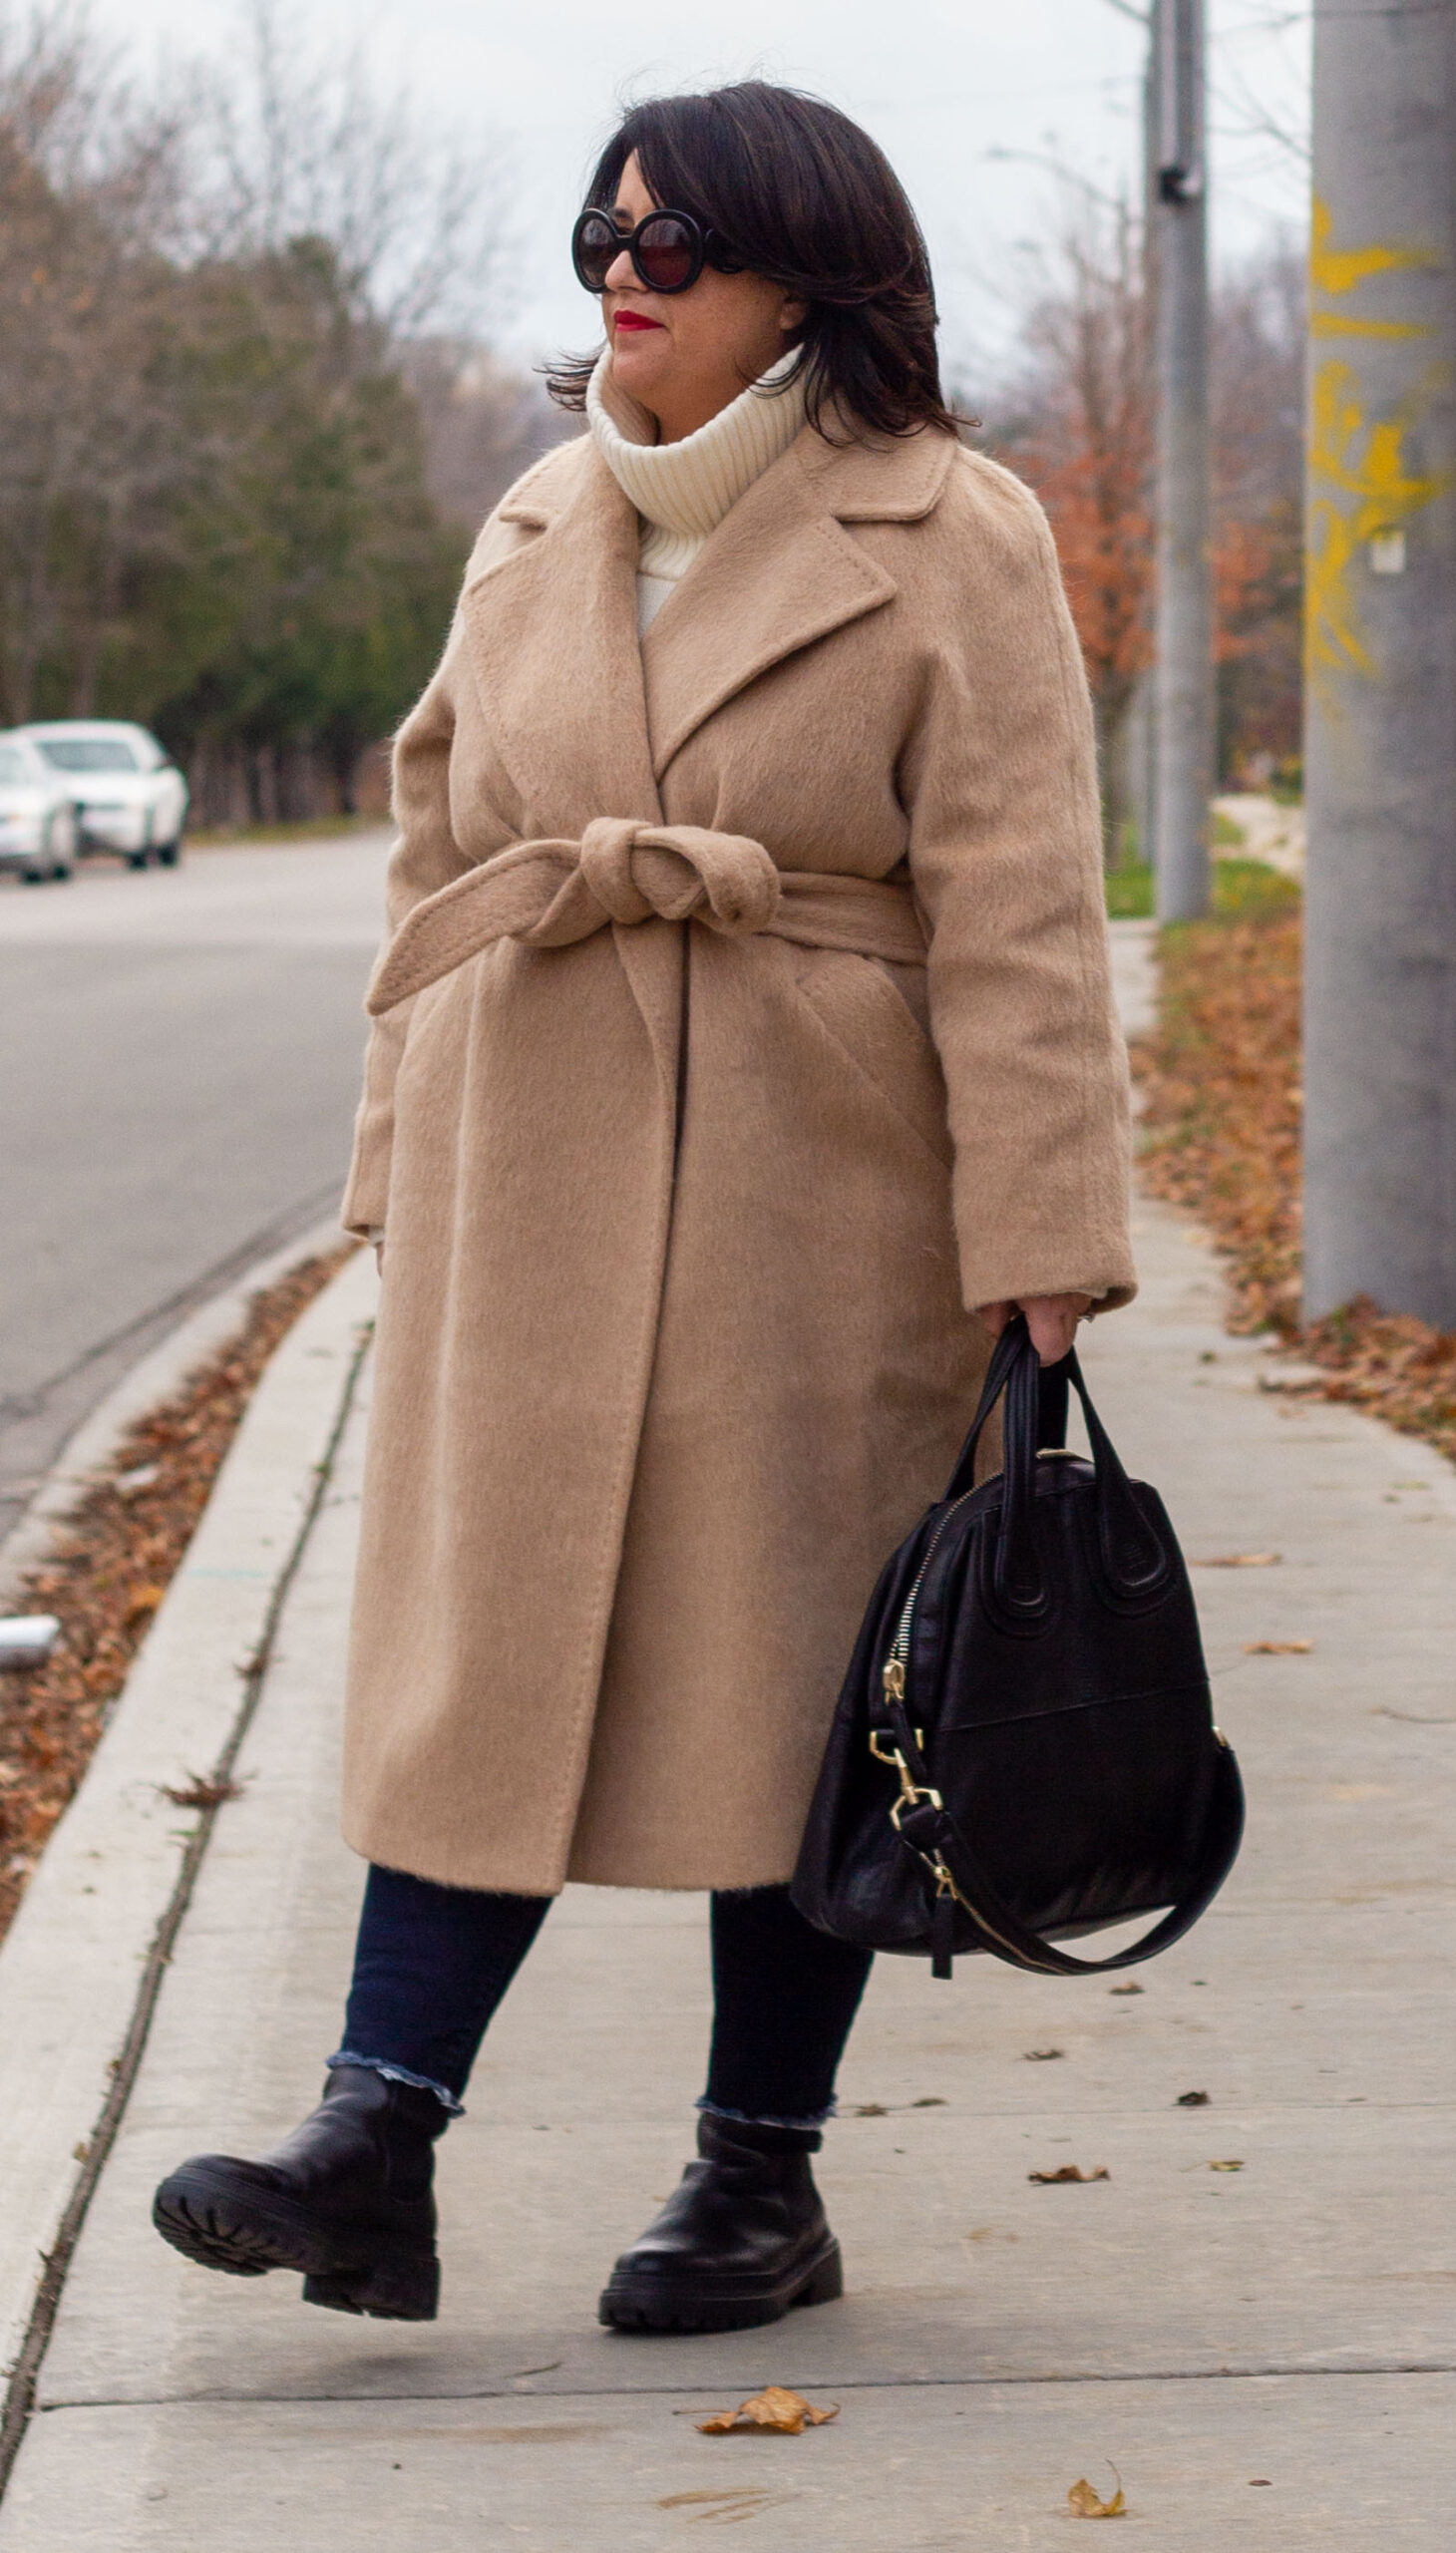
(128,794)
(38,825)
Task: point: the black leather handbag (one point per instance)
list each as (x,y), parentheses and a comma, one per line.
(1024,1749)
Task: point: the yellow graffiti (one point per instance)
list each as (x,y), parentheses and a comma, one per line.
(1331,642)
(1332,323)
(1365,463)
(1338,270)
(1376,474)
(1361,462)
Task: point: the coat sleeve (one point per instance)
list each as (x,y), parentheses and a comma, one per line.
(1005,852)
(424,855)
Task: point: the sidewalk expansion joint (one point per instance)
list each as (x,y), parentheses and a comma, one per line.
(511,2391)
(19,2399)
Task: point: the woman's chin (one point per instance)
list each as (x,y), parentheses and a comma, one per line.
(638,362)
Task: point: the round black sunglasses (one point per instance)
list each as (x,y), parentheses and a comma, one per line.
(668,251)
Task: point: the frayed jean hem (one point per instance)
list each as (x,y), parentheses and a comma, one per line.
(753,2118)
(399,2074)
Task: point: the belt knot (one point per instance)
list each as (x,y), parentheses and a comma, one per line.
(679,873)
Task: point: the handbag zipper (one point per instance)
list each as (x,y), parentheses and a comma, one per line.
(892,1674)
(893,1677)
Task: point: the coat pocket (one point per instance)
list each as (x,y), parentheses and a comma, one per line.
(860,1004)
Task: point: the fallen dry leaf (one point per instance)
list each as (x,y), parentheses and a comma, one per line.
(141,1601)
(1277,1648)
(1083,2501)
(1231,2166)
(886,2109)
(1041,2055)
(786,2414)
(1134,1989)
(1192,2101)
(199,1792)
(1240,1559)
(1071,2172)
(727,2508)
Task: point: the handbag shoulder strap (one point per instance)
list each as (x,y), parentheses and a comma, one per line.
(929,1828)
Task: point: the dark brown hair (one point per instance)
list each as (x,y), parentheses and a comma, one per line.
(798,194)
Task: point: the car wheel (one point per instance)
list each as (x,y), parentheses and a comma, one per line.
(63,853)
(169,853)
(33,877)
(137,859)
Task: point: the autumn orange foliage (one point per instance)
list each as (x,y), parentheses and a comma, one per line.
(1081,430)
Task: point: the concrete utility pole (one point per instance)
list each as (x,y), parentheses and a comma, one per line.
(1183,674)
(1380,691)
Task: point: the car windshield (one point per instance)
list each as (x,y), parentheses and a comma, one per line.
(12,764)
(88,753)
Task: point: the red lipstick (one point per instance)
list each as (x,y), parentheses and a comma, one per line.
(634,319)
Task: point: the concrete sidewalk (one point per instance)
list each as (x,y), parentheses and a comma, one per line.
(1265,2353)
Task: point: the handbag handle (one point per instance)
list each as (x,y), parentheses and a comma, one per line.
(928,1827)
(1133,1556)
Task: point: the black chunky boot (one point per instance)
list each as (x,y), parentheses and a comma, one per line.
(743,2237)
(346,2199)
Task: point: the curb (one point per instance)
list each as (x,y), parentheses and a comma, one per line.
(155,1377)
(83,1959)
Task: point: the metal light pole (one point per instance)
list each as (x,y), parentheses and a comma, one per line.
(1183,675)
(1380,691)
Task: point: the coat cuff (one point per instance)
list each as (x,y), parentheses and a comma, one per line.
(1111,1281)
(366,1196)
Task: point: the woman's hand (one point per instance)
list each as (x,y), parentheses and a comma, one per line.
(1051,1318)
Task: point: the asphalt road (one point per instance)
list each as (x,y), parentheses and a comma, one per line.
(179,1057)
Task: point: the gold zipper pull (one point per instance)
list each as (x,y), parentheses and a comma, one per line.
(893,1679)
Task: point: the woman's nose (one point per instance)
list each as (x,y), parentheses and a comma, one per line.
(621,273)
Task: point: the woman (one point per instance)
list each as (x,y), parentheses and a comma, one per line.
(743,1052)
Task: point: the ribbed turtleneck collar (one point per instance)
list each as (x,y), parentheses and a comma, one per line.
(687,487)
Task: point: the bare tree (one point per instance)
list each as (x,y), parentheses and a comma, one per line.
(225,446)
(1076,420)
(1258,346)
(483,423)
(296,141)
(87,177)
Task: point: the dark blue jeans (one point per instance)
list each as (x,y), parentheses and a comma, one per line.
(432,1963)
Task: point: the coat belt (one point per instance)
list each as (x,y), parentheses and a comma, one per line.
(550,893)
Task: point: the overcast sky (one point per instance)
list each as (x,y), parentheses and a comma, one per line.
(947,87)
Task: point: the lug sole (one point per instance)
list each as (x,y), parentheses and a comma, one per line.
(642,2303)
(246,2234)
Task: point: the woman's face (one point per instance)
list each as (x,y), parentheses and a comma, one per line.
(684,355)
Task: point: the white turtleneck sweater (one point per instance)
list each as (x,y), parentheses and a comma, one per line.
(683,490)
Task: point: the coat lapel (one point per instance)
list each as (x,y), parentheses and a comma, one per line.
(781,572)
(553,635)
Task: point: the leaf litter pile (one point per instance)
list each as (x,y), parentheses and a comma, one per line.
(108,1570)
(1220,1078)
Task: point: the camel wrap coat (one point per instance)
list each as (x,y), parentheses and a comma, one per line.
(744,1018)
